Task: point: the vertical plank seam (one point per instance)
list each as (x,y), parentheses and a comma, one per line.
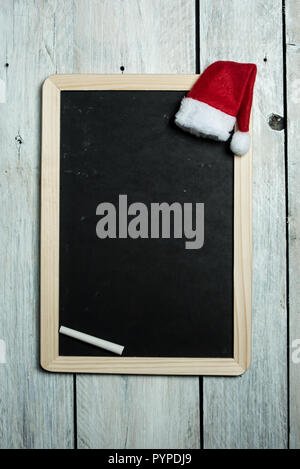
(285,110)
(197,35)
(75,410)
(201,412)
(197,70)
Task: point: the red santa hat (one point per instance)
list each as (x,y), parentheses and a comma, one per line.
(221,96)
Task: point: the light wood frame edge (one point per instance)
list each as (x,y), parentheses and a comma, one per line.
(50,359)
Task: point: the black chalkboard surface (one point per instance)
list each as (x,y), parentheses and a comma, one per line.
(145,232)
(154,296)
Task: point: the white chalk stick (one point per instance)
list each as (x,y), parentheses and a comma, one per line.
(89,339)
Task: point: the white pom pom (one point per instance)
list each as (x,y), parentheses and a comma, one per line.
(240,143)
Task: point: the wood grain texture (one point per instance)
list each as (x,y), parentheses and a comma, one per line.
(293,144)
(49,254)
(128,81)
(100,36)
(242,264)
(36,408)
(251,411)
(138,412)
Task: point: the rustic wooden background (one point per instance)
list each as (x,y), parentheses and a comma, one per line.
(260,409)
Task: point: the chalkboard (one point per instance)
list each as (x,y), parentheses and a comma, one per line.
(145,222)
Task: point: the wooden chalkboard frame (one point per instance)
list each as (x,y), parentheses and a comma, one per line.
(49,286)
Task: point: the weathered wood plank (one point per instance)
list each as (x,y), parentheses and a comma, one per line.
(293,144)
(251,411)
(36,408)
(144,37)
(137,412)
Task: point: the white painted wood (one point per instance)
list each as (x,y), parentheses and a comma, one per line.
(293,114)
(36,408)
(144,37)
(251,411)
(42,37)
(137,412)
(2,91)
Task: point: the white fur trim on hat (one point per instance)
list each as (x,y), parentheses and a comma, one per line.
(203,120)
(240,143)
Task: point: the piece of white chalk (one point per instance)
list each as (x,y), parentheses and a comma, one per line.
(89,339)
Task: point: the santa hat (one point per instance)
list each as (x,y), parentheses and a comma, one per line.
(221,96)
